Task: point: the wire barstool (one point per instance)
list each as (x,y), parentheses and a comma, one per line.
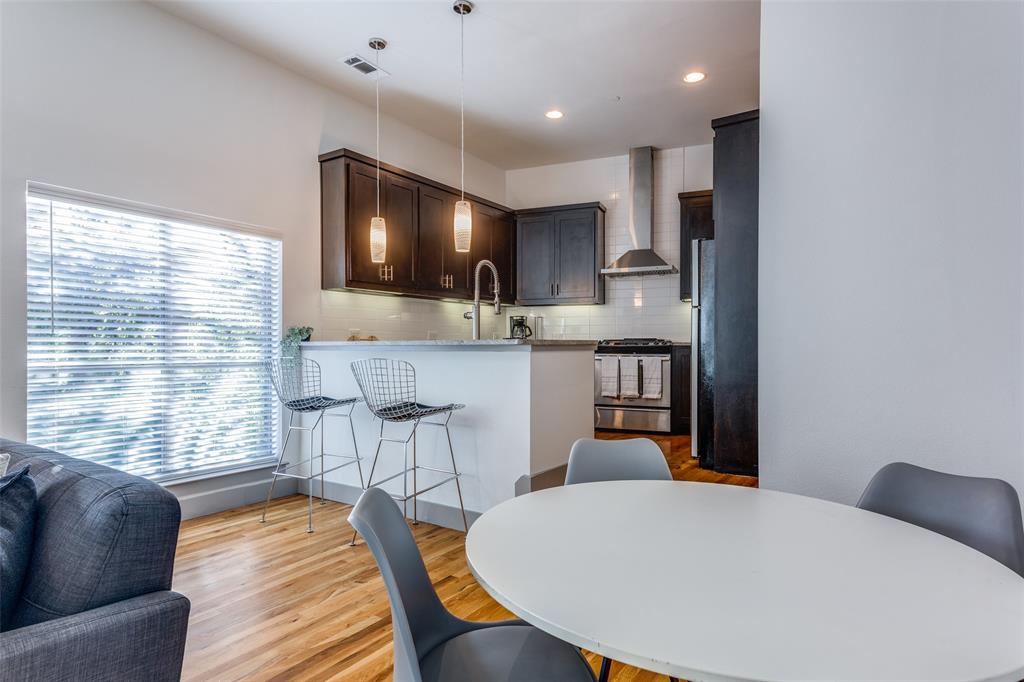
(389,389)
(296,381)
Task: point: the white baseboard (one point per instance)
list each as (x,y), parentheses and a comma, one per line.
(428,512)
(211,495)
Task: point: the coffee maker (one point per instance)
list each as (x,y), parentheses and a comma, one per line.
(518,329)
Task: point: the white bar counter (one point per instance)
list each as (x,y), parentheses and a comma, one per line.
(526,402)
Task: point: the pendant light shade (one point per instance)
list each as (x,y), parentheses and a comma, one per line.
(463,211)
(378,240)
(378,229)
(463,226)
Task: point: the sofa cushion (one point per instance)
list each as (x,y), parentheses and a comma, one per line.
(101,535)
(17,521)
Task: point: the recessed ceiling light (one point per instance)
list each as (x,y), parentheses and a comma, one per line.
(554,113)
(694,77)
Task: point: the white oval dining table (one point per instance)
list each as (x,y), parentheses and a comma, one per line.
(714,582)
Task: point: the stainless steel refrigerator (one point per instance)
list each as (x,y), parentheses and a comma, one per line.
(702,350)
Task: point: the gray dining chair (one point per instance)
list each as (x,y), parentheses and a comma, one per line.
(432,645)
(983,513)
(635,459)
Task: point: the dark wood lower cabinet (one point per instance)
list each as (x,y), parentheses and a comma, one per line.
(419,213)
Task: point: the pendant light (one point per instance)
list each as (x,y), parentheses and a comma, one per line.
(378,229)
(463,211)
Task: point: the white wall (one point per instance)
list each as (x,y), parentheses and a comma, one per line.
(891,295)
(122,99)
(635,306)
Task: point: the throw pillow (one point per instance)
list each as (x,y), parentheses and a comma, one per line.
(17,523)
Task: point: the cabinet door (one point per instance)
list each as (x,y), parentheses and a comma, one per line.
(492,239)
(695,222)
(503,252)
(535,260)
(441,269)
(399,205)
(362,206)
(577,255)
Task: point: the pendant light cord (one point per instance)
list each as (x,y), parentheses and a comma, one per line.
(462,103)
(377,83)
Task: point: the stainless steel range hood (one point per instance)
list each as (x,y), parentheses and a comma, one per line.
(641,259)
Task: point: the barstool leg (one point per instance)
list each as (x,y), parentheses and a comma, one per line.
(458,487)
(309,527)
(405,479)
(323,426)
(373,467)
(355,445)
(280,458)
(415,487)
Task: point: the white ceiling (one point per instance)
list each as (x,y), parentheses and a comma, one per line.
(614,68)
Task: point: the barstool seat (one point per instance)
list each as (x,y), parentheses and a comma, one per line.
(389,390)
(318,402)
(407,412)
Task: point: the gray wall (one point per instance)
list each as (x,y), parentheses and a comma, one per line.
(891,226)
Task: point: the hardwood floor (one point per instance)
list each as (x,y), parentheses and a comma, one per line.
(271,602)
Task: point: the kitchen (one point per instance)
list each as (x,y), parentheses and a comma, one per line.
(578,262)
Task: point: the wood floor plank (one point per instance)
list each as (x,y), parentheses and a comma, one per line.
(272,602)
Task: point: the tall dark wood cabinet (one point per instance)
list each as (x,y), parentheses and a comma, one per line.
(560,254)
(419,212)
(695,222)
(735,300)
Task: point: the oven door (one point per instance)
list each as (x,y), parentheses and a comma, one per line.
(664,402)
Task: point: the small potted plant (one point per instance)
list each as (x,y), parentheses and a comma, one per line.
(292,338)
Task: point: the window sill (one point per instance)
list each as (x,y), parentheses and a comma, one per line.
(267,463)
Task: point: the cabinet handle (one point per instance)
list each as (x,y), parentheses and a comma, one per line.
(552,288)
(558,288)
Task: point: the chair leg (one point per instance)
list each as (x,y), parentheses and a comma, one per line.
(606,668)
(373,467)
(458,486)
(280,458)
(405,479)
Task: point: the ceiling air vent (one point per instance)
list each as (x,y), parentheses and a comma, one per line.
(363,66)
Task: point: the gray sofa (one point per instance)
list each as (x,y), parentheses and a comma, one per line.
(96,601)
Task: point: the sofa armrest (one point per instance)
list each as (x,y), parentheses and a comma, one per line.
(142,638)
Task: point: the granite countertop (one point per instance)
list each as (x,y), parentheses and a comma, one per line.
(456,344)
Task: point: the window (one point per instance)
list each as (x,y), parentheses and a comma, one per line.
(146,337)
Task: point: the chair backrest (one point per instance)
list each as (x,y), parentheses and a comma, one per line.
(388,386)
(419,619)
(983,513)
(636,459)
(294,378)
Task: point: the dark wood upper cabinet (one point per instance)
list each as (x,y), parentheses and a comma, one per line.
(493,240)
(535,259)
(421,256)
(441,269)
(735,331)
(560,255)
(695,222)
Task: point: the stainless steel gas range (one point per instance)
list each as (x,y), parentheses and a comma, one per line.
(633,385)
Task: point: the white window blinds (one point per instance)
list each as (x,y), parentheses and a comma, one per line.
(146,338)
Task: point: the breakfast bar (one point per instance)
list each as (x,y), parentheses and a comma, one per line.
(526,402)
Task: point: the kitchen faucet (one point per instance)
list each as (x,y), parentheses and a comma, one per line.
(474,314)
